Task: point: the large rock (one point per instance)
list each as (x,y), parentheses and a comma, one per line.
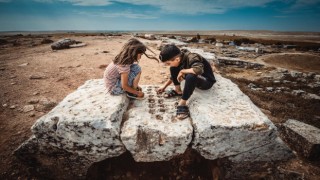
(63,44)
(301,137)
(87,122)
(49,162)
(151,132)
(226,122)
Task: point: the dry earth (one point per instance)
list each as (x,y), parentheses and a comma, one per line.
(50,75)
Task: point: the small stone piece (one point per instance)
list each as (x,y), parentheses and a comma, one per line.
(24,64)
(36,77)
(28,108)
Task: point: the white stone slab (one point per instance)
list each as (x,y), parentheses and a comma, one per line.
(86,122)
(226,122)
(151,132)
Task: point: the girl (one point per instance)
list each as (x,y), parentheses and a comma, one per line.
(123,74)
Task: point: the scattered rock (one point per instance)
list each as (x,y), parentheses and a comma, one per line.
(24,64)
(28,108)
(4,105)
(103,66)
(105,51)
(33,101)
(46,41)
(36,93)
(297,92)
(13,107)
(303,138)
(251,85)
(63,44)
(37,77)
(269,89)
(32,114)
(311,96)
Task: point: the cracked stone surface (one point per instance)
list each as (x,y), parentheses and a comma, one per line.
(274,151)
(226,122)
(151,132)
(87,122)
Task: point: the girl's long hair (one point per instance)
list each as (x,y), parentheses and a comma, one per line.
(129,52)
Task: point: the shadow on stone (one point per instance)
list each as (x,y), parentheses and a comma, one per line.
(189,165)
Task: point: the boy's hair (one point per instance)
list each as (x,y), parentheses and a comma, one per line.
(168,52)
(129,52)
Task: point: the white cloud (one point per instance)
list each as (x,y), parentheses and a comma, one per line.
(126,14)
(191,6)
(304,3)
(199,6)
(177,6)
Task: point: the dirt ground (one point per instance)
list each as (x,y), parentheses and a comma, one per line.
(31,73)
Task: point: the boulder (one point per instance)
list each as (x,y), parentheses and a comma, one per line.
(86,123)
(63,44)
(301,137)
(226,122)
(150,131)
(49,162)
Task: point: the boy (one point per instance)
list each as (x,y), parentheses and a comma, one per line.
(192,67)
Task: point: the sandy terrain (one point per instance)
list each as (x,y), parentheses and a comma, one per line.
(33,73)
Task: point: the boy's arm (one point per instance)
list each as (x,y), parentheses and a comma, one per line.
(160,90)
(196,63)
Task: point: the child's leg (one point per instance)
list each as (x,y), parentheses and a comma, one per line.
(136,81)
(193,81)
(134,75)
(190,85)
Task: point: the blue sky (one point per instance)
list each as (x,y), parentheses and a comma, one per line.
(46,15)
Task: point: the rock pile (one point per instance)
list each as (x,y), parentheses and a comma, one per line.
(86,127)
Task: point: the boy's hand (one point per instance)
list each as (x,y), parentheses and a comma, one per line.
(161,90)
(180,76)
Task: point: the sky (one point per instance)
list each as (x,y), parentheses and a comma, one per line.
(159,15)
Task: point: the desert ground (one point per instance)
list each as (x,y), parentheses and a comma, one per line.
(31,73)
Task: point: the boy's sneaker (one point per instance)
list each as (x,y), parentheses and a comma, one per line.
(134,96)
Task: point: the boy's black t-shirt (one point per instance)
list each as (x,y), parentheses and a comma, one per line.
(199,64)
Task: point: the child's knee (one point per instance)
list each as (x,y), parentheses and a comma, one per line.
(190,77)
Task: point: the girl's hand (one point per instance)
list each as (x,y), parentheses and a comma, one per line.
(161,90)
(140,94)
